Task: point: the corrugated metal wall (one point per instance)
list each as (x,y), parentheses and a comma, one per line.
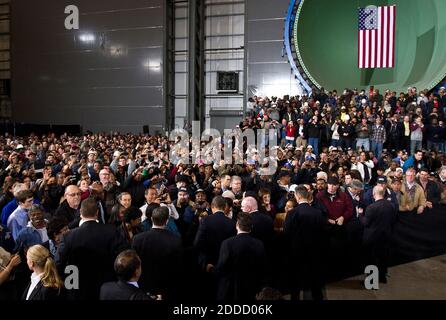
(269,72)
(224,46)
(108,75)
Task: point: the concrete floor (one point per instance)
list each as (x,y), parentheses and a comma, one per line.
(420,280)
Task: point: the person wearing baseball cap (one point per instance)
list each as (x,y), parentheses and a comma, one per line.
(202,209)
(183,204)
(389,195)
(338,204)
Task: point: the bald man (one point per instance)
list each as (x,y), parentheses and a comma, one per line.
(69,208)
(262,224)
(378,223)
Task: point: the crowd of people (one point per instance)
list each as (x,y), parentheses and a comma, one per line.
(136,226)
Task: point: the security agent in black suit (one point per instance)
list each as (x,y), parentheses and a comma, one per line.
(262,229)
(305,229)
(241,264)
(378,222)
(161,254)
(213,230)
(92,248)
(262,224)
(128,271)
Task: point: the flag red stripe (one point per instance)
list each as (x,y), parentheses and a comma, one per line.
(383,54)
(393,39)
(359,49)
(388,35)
(376,48)
(364,62)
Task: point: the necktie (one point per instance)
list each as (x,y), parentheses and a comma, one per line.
(366,173)
(102,212)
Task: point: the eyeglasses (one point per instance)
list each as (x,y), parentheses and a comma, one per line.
(77,194)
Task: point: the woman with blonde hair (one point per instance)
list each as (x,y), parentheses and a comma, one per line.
(45,281)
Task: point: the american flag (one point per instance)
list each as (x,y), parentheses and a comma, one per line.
(376,37)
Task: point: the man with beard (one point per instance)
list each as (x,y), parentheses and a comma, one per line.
(97,192)
(134,185)
(111,190)
(182,204)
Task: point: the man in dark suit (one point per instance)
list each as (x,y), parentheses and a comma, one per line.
(161,255)
(92,248)
(241,264)
(128,272)
(97,191)
(305,228)
(262,224)
(354,227)
(395,132)
(213,230)
(378,222)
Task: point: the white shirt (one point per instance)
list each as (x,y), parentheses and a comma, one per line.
(86,220)
(35,279)
(133,283)
(42,232)
(173,213)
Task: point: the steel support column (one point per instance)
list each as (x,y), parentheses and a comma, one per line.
(169,64)
(196,79)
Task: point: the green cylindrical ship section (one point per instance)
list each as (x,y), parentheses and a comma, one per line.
(326,39)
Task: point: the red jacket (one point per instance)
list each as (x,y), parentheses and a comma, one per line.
(290,131)
(341,205)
